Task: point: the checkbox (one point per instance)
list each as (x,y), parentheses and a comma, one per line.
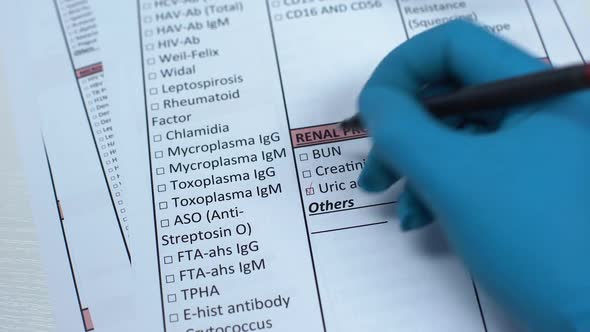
(306,174)
(160,170)
(169,278)
(151,61)
(163,205)
(161,188)
(303,157)
(120,202)
(153,91)
(149,33)
(165,222)
(149,47)
(155,106)
(278,17)
(147,19)
(171,298)
(276,4)
(309,191)
(147,5)
(159,154)
(167,259)
(152,76)
(157,138)
(173,318)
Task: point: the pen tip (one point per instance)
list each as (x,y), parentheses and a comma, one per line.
(587,71)
(352,123)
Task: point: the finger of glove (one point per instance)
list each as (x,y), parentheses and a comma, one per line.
(405,136)
(376,175)
(477,122)
(413,214)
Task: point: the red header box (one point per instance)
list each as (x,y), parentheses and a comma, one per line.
(323,134)
(88,324)
(89,70)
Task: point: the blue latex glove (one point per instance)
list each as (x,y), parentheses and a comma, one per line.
(514,201)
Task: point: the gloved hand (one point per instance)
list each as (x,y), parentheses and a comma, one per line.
(514,201)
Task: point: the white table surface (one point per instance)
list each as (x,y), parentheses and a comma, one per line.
(24,298)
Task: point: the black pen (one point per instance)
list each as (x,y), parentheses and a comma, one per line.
(503,93)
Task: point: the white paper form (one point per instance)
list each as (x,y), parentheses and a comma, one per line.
(576,15)
(86,258)
(80,30)
(121,47)
(119,35)
(256,217)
